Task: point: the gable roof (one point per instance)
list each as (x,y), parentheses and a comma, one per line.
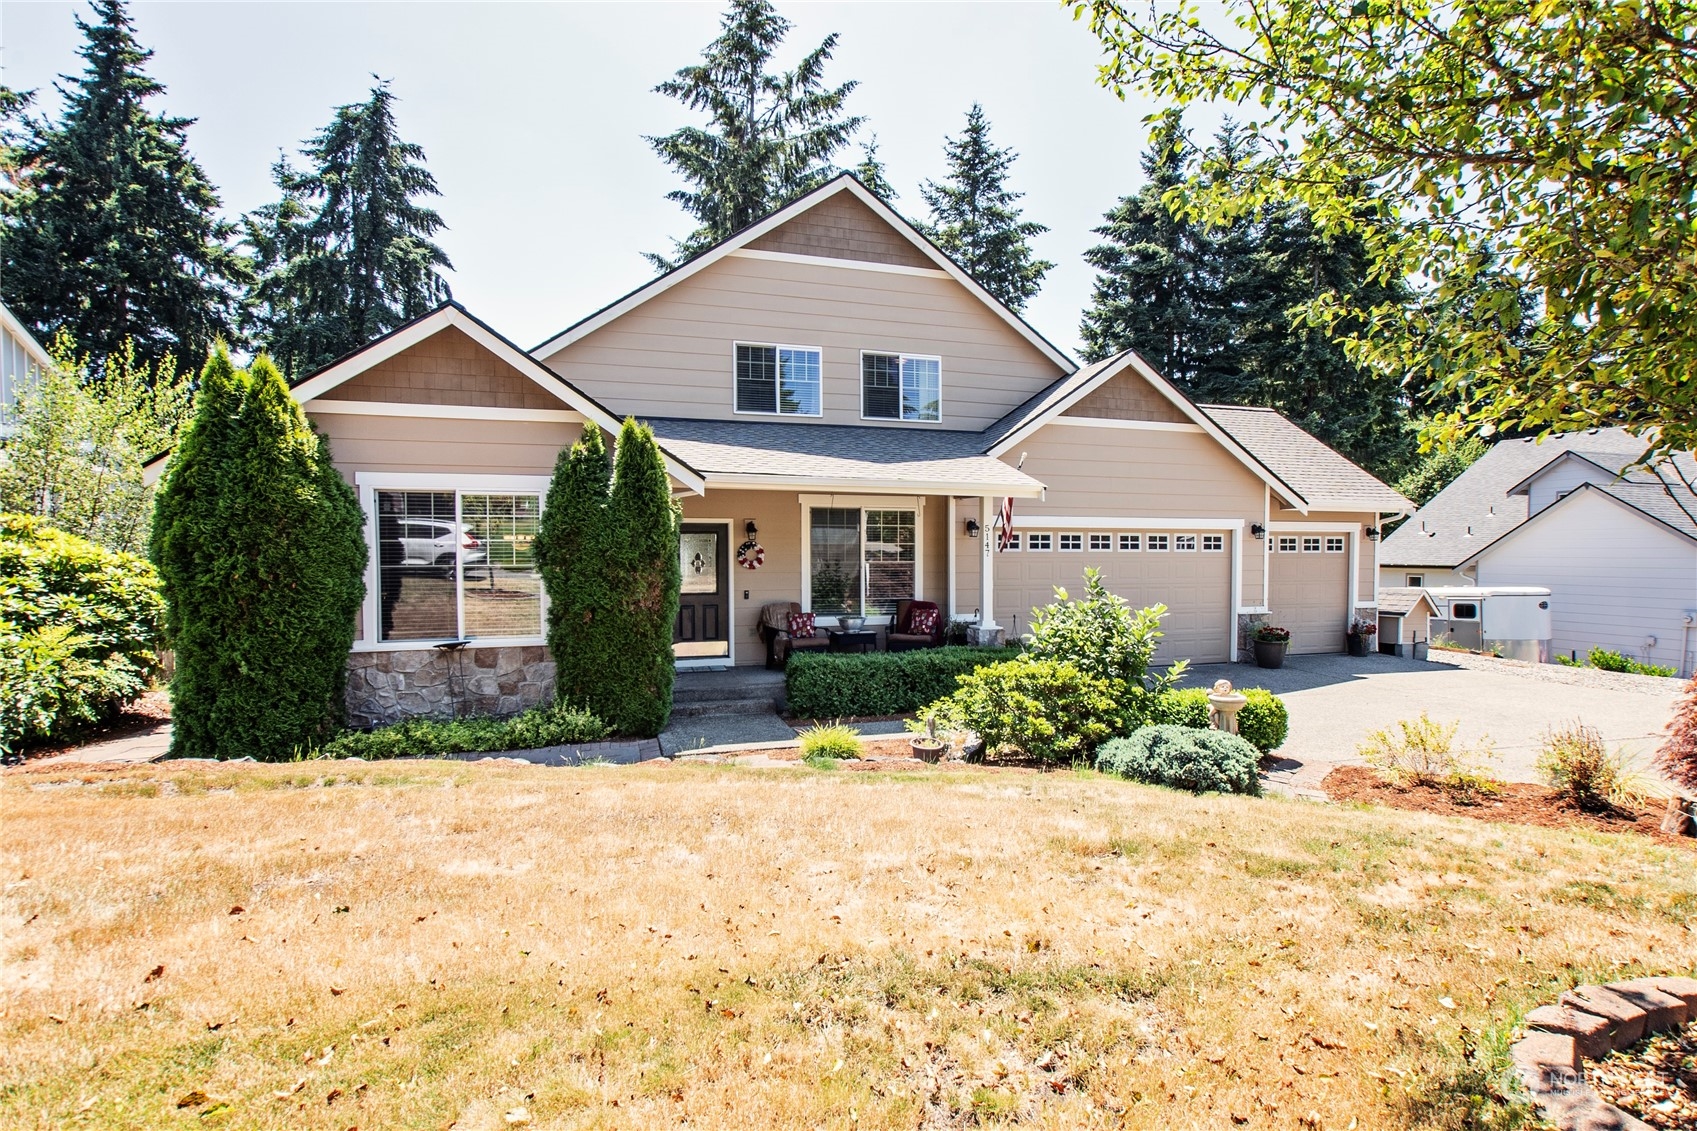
(1400,601)
(1326,479)
(736,241)
(1477,508)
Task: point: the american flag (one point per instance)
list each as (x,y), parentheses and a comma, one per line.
(1006,523)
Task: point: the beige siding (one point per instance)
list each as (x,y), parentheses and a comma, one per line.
(1128,396)
(1354,527)
(412,444)
(446,368)
(842,227)
(673,355)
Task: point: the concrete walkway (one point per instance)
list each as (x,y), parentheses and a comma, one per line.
(147,746)
(1334,701)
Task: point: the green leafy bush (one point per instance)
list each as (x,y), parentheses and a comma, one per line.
(830,743)
(1609,661)
(1422,752)
(1264,721)
(1202,761)
(79,629)
(823,685)
(554,725)
(1575,761)
(1180,707)
(1102,636)
(1047,710)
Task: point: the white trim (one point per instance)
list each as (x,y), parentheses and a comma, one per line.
(1133,425)
(900,357)
(779,388)
(951,553)
(444,411)
(1236,594)
(729,659)
(758,481)
(831,261)
(844,183)
(451,481)
(1069,522)
(1376,506)
(1250,610)
(862,503)
(1333,527)
(988,513)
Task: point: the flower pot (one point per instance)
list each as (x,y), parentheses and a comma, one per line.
(928,749)
(1357,644)
(1271,653)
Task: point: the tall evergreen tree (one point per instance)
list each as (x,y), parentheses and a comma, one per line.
(581,632)
(113,232)
(769,138)
(870,171)
(641,552)
(974,220)
(346,254)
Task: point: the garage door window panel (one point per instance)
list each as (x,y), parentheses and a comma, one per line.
(1038,542)
(1072,542)
(1131,543)
(1158,543)
(1213,543)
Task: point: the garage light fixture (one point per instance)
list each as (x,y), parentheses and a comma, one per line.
(1372,533)
(1258,530)
(972,528)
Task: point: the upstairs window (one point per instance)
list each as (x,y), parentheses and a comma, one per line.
(783,380)
(901,387)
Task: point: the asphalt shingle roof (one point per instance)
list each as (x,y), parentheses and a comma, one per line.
(1477,509)
(1316,472)
(1399,602)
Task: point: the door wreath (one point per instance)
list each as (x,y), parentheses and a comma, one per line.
(751,555)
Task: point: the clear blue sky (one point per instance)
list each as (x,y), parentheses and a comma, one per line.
(532,117)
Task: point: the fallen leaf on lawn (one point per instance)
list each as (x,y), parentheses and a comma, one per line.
(1447,1003)
(237,909)
(329,1051)
(55,1018)
(193,1099)
(154,975)
(1326,1043)
(287,1092)
(337,991)
(516,1117)
(335,1094)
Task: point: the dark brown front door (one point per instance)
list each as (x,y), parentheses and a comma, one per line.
(704,602)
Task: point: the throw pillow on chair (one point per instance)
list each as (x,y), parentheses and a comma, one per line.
(801,626)
(923,622)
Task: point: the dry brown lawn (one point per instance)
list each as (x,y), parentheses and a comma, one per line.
(434,945)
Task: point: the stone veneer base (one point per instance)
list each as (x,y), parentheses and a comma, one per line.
(428,683)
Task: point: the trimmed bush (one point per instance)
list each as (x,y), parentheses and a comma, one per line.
(822,685)
(1576,762)
(79,630)
(1183,707)
(1201,761)
(554,725)
(261,553)
(1102,636)
(830,742)
(1047,710)
(1263,722)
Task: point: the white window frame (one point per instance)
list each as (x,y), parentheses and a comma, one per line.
(1150,543)
(1184,543)
(862,503)
(1106,540)
(1076,548)
(1013,543)
(1131,543)
(1287,544)
(901,358)
(1034,537)
(1311,543)
(1218,543)
(1416,580)
(777,409)
(1342,543)
(368,483)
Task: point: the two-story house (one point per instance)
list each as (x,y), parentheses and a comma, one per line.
(842,404)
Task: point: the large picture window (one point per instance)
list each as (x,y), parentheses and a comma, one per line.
(901,387)
(778,379)
(454,565)
(863,560)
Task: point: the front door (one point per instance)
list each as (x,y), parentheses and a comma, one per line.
(703,630)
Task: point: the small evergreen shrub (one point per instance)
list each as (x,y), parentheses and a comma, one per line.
(1102,636)
(823,685)
(1181,707)
(1047,710)
(1201,761)
(1576,762)
(79,630)
(1264,722)
(830,743)
(1678,755)
(1607,660)
(554,725)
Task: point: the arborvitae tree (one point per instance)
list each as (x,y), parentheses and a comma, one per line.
(870,171)
(641,559)
(770,137)
(580,629)
(974,220)
(346,255)
(112,232)
(261,555)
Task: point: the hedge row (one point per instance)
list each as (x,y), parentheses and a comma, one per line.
(552,725)
(820,685)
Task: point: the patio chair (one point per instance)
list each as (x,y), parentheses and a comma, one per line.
(775,632)
(917,624)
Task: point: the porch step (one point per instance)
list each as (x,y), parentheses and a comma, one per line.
(696,707)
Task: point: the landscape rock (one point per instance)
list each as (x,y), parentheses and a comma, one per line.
(1661,1010)
(1589,1032)
(1547,1062)
(1626,1019)
(1683,988)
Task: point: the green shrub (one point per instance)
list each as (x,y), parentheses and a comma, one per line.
(79,630)
(823,685)
(1050,711)
(830,743)
(1202,761)
(1422,752)
(1576,762)
(1263,722)
(554,725)
(261,554)
(1610,661)
(1102,636)
(1180,707)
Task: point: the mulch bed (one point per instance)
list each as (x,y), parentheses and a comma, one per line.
(1655,1079)
(1517,802)
(145,713)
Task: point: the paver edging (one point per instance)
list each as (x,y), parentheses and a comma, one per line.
(1589,1022)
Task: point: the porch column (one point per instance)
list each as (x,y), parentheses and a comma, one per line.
(987,631)
(949,541)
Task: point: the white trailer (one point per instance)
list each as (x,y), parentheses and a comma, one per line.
(1513,620)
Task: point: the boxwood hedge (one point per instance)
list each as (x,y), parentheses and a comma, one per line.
(822,685)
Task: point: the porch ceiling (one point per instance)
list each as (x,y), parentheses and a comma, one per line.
(841,457)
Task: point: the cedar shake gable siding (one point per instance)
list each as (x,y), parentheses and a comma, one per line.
(447,368)
(1128,396)
(842,227)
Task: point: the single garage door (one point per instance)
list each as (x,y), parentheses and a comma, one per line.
(1190,573)
(1309,590)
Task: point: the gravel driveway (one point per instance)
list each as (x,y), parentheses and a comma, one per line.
(1334,701)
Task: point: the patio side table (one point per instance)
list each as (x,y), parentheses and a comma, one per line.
(844,641)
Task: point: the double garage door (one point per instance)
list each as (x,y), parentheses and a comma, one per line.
(1189,572)
(1308,591)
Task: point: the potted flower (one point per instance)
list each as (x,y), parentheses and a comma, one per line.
(926,746)
(1361,633)
(1271,643)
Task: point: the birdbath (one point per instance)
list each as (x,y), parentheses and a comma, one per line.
(1224,704)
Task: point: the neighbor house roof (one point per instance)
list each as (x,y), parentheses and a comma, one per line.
(1479,507)
(1326,479)
(832,456)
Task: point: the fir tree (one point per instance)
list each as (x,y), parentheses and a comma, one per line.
(261,554)
(641,559)
(974,220)
(769,138)
(112,232)
(581,633)
(870,172)
(346,254)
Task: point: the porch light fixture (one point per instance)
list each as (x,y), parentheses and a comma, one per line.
(1258,530)
(972,528)
(1372,533)
(749,528)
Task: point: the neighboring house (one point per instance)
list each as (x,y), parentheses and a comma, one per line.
(22,361)
(1615,545)
(830,386)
